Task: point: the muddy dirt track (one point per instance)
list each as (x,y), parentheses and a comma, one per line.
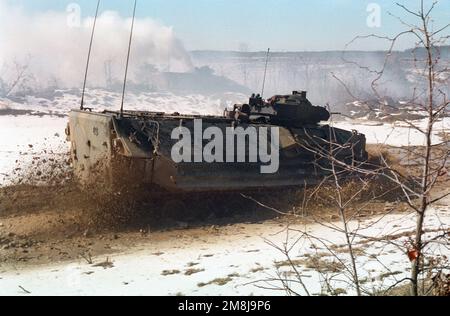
(42,224)
(49,247)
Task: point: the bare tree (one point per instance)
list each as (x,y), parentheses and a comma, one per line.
(13,77)
(349,185)
(429,98)
(416,184)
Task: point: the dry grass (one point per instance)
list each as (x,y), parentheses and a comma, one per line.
(315,262)
(380,153)
(372,197)
(218,281)
(107,264)
(256,270)
(343,249)
(189,272)
(170,272)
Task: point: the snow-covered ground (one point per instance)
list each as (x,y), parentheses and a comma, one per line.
(396,134)
(61,101)
(230,264)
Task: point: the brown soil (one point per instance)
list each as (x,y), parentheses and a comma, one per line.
(42,224)
(39,225)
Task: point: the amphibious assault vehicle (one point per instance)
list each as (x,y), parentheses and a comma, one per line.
(263,144)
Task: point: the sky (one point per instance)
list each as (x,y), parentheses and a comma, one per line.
(283,25)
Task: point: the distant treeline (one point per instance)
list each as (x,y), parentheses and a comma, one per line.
(332,77)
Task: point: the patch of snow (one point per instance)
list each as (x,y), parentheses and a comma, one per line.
(64,101)
(396,134)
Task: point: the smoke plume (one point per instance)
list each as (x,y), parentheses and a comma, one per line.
(55,51)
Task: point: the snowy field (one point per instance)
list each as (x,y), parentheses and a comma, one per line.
(396,134)
(61,101)
(231,264)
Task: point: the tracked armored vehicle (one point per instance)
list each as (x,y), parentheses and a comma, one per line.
(138,147)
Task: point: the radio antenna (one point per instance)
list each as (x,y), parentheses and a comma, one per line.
(265,73)
(128,58)
(89,56)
